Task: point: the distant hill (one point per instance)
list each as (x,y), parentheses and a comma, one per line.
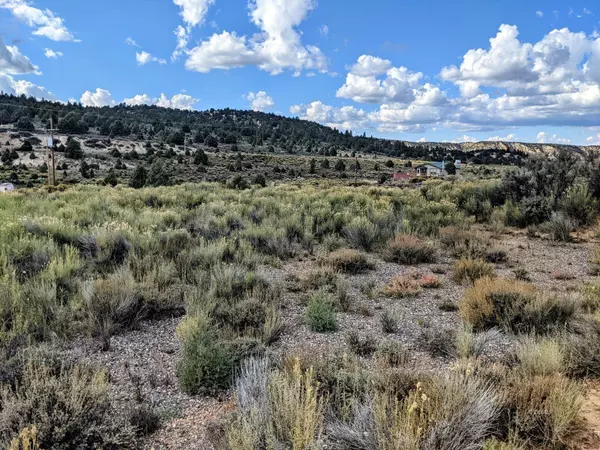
(231,127)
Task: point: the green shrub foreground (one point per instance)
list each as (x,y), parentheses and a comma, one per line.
(89,260)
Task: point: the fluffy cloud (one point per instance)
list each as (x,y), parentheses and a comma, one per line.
(552,82)
(544,138)
(51,54)
(178,101)
(193,13)
(45,22)
(222,51)
(21,87)
(99,98)
(144,58)
(363,86)
(345,118)
(510,137)
(12,61)
(539,13)
(278,47)
(260,101)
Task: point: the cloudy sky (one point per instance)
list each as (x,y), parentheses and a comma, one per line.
(417,70)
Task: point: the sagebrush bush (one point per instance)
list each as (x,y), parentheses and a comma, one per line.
(464,243)
(515,306)
(579,205)
(347,260)
(69,407)
(470,270)
(392,354)
(112,304)
(559,227)
(361,233)
(364,345)
(409,250)
(540,357)
(320,313)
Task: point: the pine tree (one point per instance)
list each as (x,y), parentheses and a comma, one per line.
(138,178)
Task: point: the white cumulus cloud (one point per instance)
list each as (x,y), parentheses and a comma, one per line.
(13,62)
(51,54)
(260,101)
(100,97)
(277,48)
(178,101)
(45,22)
(144,58)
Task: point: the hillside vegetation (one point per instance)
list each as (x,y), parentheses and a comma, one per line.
(336,316)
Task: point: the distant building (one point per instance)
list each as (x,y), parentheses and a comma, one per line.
(434,169)
(6,187)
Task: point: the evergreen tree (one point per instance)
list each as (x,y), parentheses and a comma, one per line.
(73,149)
(201,158)
(138,178)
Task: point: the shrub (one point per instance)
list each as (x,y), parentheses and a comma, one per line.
(69,407)
(361,233)
(515,306)
(297,410)
(345,301)
(438,342)
(407,249)
(403,286)
(361,345)
(559,227)
(470,270)
(389,322)
(208,361)
(540,357)
(473,345)
(138,178)
(579,205)
(320,313)
(464,243)
(111,305)
(543,411)
(429,281)
(347,260)
(392,354)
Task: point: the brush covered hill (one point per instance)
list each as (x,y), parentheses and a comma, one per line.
(240,129)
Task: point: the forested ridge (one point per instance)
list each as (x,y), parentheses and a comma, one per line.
(232,127)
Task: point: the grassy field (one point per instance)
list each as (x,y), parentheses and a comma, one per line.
(324,315)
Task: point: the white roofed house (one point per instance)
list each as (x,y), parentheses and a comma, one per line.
(434,169)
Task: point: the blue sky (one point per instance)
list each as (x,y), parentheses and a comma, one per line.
(415,70)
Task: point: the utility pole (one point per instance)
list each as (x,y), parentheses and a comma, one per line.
(52,170)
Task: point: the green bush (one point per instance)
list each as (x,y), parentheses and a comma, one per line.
(320,313)
(361,233)
(209,361)
(579,205)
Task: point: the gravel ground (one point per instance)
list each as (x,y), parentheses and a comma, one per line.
(142,363)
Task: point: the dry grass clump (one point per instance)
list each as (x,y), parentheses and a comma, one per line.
(543,411)
(515,306)
(429,281)
(392,354)
(407,249)
(469,270)
(281,408)
(347,260)
(540,357)
(403,286)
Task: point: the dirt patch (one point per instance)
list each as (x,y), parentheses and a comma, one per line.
(591,412)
